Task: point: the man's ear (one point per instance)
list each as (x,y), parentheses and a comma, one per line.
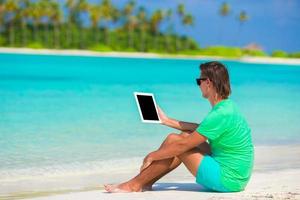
(209,83)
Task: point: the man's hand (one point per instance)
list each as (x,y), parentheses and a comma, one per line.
(163,117)
(147,162)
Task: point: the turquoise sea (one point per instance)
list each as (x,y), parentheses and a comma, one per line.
(75,115)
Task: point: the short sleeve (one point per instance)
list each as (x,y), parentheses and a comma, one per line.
(213,125)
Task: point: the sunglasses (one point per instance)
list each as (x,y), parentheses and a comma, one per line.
(198,80)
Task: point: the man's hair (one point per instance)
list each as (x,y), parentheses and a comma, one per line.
(217,73)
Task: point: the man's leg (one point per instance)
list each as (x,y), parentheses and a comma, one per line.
(158,169)
(175,163)
(204,149)
(191,159)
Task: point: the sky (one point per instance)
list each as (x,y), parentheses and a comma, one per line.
(272,24)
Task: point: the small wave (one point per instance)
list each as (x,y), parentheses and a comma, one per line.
(72,169)
(36,78)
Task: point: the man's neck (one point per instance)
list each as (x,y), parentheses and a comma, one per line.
(213,101)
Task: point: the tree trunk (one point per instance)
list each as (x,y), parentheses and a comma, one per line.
(130,38)
(187,44)
(69,36)
(106,36)
(167,43)
(156,40)
(142,40)
(24,33)
(56,36)
(96,35)
(35,32)
(81,38)
(45,36)
(11,34)
(177,42)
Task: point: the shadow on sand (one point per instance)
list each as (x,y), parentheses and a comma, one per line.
(193,187)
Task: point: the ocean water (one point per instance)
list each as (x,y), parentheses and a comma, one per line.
(75,115)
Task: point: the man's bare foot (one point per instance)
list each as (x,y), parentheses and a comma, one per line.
(122,188)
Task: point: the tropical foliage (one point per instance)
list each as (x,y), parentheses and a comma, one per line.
(84,25)
(283,54)
(279,53)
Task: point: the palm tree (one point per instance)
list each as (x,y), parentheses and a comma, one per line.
(11,8)
(82,7)
(35,15)
(2,8)
(71,6)
(116,15)
(55,17)
(46,10)
(242,18)
(181,10)
(129,21)
(143,25)
(132,24)
(107,11)
(24,14)
(95,17)
(180,13)
(224,11)
(188,20)
(71,19)
(169,28)
(156,19)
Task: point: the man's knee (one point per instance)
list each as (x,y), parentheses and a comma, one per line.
(172,137)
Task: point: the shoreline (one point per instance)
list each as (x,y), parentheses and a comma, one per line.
(89,53)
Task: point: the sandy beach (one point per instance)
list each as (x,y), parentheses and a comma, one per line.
(276,176)
(282,184)
(70,52)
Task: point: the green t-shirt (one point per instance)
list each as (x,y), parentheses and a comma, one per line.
(230,139)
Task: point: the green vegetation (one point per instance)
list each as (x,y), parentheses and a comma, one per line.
(295,55)
(279,53)
(79,24)
(96,26)
(248,52)
(283,54)
(222,51)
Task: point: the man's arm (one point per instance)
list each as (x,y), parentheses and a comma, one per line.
(180,125)
(173,123)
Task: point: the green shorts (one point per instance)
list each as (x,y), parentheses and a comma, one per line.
(209,175)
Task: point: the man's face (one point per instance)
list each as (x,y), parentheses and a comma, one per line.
(204,86)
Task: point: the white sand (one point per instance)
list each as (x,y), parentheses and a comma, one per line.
(276,176)
(282,184)
(70,52)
